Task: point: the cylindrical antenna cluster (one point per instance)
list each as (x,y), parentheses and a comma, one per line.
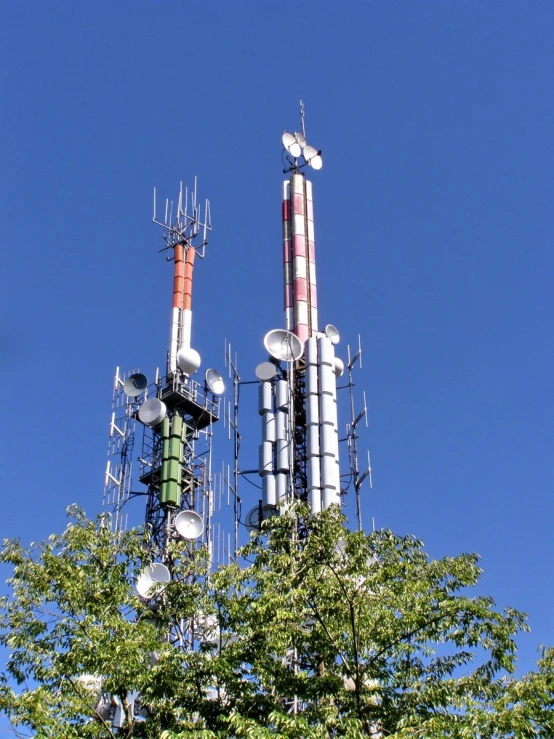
(322,436)
(173,434)
(299,257)
(274,464)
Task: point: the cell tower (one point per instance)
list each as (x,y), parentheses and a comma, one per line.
(299,452)
(174,412)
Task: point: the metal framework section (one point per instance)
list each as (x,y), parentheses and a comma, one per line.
(176,459)
(119,465)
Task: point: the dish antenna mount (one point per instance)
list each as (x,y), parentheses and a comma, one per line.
(297,149)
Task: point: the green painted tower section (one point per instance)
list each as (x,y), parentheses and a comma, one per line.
(172,460)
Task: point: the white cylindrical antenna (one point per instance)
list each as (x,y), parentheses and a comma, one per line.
(265,402)
(269,492)
(266,458)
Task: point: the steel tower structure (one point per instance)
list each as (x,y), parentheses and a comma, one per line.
(174,412)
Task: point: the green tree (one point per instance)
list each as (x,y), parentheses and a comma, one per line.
(319,632)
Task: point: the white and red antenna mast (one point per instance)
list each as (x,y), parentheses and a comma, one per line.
(181,236)
(299,453)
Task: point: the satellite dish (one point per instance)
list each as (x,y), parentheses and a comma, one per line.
(332,333)
(151,576)
(189,524)
(188,360)
(338,367)
(135,385)
(313,157)
(152,412)
(214,380)
(265,371)
(283,345)
(291,145)
(300,138)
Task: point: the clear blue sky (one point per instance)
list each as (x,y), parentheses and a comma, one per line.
(434,229)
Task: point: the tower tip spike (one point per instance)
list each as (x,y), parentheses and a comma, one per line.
(302,122)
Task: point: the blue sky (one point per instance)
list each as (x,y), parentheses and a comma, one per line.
(434,233)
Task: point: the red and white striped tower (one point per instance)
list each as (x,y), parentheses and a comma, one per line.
(299,257)
(181,317)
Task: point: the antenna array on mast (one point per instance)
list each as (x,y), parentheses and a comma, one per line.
(188,223)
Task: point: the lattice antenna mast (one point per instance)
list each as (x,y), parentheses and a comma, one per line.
(175,415)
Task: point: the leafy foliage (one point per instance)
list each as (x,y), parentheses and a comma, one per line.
(321,633)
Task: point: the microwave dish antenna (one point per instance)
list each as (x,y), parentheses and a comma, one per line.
(188,360)
(154,574)
(135,385)
(283,345)
(152,412)
(292,145)
(332,333)
(265,371)
(189,525)
(313,157)
(214,381)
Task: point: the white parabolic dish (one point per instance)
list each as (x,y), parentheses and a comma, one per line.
(135,384)
(265,371)
(152,412)
(291,145)
(188,360)
(283,345)
(189,524)
(155,574)
(214,380)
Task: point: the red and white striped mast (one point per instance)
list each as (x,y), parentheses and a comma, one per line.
(299,454)
(299,239)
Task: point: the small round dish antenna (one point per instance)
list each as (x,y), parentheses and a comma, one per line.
(255,516)
(152,412)
(154,574)
(313,157)
(338,367)
(265,371)
(332,333)
(300,138)
(283,345)
(253,520)
(214,380)
(291,145)
(188,360)
(189,524)
(135,385)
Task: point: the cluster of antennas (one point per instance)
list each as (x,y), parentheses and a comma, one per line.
(188,525)
(299,453)
(295,144)
(175,410)
(152,411)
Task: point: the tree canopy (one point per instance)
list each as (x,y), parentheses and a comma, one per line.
(315,632)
